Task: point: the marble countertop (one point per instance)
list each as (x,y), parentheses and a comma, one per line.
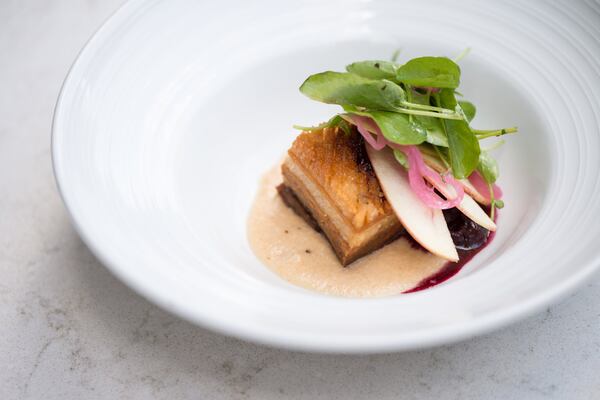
(70,330)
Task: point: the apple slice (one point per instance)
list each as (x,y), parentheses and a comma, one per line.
(437,166)
(426,225)
(474,193)
(467,206)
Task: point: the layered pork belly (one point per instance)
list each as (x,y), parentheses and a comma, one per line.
(328,177)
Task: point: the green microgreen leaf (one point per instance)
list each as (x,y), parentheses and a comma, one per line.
(396,128)
(441,154)
(463,144)
(335,121)
(344,88)
(331,122)
(439,72)
(468,108)
(401,158)
(435,132)
(373,69)
(488,167)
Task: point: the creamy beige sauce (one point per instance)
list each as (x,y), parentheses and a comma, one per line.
(302,256)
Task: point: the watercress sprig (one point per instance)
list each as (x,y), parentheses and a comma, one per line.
(411,103)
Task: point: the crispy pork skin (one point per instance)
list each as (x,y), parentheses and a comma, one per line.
(329,174)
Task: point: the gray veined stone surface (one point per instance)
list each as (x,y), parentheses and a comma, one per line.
(70,330)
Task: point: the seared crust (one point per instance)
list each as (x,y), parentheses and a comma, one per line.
(331,176)
(339,165)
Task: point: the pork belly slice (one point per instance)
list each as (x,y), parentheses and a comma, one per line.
(293,202)
(330,174)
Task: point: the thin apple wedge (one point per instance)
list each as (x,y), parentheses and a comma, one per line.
(467,206)
(427,226)
(437,166)
(474,193)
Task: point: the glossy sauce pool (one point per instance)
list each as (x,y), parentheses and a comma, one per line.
(302,256)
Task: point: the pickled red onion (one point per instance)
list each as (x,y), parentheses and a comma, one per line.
(417,170)
(482,187)
(416,174)
(365,126)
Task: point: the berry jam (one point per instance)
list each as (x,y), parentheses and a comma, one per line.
(466,234)
(469,239)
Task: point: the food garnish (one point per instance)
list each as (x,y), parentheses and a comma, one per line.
(413,109)
(419,139)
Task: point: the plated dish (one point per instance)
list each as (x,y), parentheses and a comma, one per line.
(398,183)
(168,118)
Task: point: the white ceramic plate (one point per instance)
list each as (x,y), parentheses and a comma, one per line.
(175,108)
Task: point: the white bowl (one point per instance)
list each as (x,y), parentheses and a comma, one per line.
(175,108)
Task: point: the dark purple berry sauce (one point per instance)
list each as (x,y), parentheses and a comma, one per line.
(469,239)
